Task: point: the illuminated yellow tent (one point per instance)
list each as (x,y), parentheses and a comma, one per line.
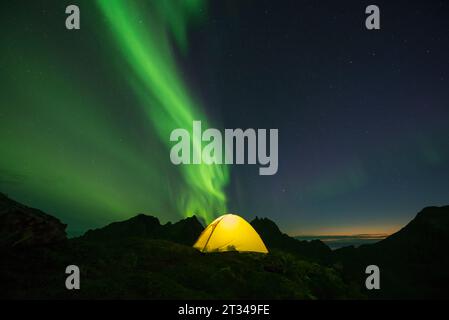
(230,233)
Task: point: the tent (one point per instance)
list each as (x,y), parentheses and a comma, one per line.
(230,233)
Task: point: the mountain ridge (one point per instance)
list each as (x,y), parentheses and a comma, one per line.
(21,225)
(413,261)
(184,231)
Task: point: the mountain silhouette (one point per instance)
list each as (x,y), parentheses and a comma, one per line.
(413,261)
(273,238)
(143,259)
(185,231)
(21,226)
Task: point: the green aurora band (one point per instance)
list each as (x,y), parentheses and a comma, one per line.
(84,128)
(145,43)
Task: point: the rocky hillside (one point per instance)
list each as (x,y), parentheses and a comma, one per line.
(413,262)
(21,226)
(141,259)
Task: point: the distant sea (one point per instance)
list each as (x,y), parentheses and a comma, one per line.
(335,242)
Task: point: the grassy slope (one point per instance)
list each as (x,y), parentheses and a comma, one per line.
(155,269)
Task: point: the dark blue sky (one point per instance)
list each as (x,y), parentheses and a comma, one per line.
(363,116)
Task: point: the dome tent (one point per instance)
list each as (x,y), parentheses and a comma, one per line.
(230,233)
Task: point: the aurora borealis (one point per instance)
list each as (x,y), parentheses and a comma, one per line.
(86,115)
(147,49)
(71,152)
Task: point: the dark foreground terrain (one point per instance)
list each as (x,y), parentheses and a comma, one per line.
(141,259)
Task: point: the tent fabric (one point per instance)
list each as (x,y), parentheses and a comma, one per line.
(230,233)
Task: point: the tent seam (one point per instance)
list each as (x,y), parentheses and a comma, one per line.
(211,233)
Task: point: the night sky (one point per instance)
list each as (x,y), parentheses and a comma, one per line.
(363,116)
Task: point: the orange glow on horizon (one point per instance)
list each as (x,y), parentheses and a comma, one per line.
(374,231)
